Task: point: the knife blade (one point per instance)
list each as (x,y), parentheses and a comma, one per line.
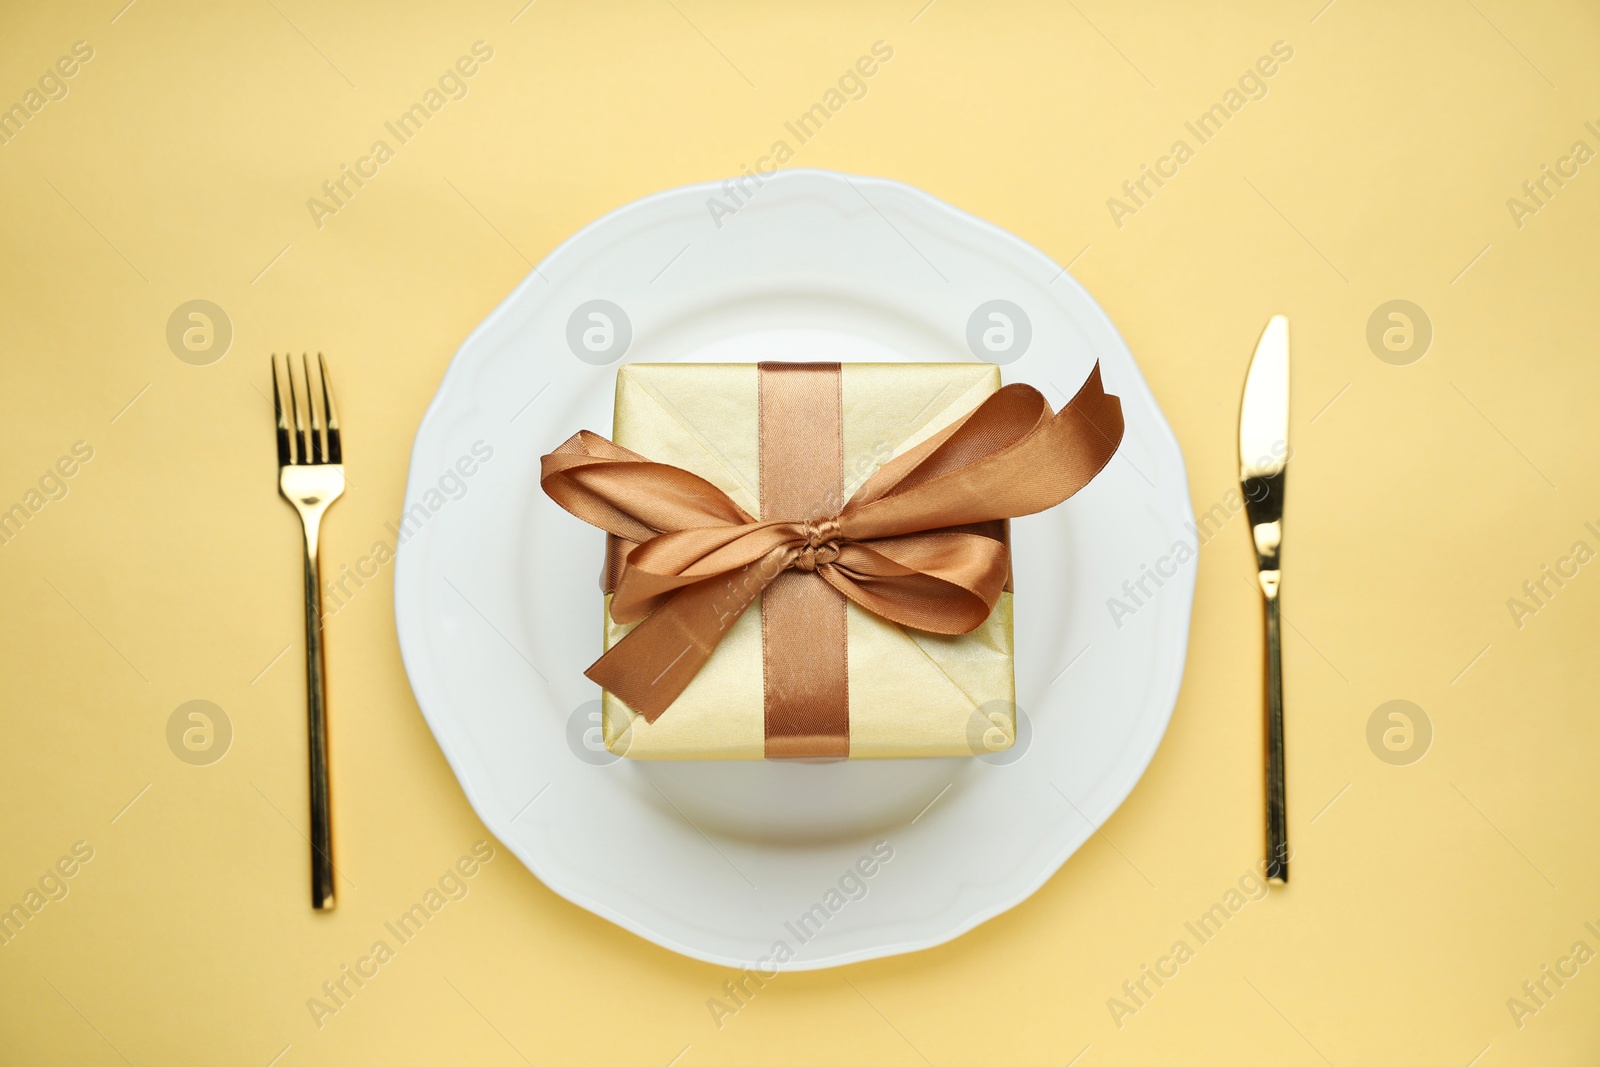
(1263,461)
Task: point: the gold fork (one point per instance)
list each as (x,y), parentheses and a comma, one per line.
(311,476)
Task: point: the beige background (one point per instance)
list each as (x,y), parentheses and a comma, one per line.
(1377,167)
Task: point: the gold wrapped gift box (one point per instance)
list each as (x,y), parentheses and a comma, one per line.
(911,693)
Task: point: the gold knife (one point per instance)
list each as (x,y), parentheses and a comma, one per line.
(1263,459)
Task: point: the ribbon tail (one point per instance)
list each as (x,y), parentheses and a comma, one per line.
(1009,457)
(655,662)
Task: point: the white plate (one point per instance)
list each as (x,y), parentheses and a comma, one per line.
(497,602)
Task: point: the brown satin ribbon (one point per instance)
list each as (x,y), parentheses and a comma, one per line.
(805,673)
(901,547)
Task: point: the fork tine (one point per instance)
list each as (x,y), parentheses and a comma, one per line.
(335,450)
(301,445)
(285,458)
(313,416)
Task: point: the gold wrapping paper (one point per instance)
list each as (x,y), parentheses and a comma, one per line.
(912,693)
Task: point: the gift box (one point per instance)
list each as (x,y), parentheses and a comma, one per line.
(810,560)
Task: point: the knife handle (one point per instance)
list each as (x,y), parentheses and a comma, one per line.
(1277,805)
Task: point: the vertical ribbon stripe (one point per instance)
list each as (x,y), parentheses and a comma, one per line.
(803,649)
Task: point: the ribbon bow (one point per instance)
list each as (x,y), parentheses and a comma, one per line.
(895,548)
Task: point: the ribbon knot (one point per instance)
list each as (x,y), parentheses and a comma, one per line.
(821,547)
(902,547)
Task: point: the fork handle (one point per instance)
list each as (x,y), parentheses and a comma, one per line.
(317,726)
(1277,805)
